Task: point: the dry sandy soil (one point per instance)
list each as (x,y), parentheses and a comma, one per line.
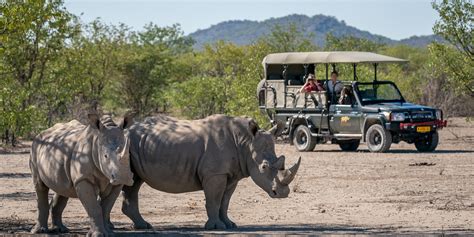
(335,193)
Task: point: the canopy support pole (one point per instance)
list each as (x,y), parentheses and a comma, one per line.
(355,71)
(333,67)
(327,71)
(305,70)
(375,71)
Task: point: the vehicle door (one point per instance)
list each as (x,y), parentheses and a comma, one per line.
(345,119)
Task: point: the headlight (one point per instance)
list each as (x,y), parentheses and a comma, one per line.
(397,116)
(439,114)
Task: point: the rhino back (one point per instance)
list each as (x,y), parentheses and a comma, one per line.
(52,152)
(175,155)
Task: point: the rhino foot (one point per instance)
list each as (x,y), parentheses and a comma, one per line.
(142,226)
(215,225)
(97,234)
(230,224)
(37,229)
(109,226)
(59,229)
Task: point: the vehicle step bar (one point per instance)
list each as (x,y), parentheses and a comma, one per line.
(352,136)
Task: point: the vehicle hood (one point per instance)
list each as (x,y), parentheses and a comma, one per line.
(398,107)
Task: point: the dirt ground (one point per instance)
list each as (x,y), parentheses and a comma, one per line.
(335,193)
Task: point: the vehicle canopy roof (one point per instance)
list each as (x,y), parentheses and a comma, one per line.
(328,57)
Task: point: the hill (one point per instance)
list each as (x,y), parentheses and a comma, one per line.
(245,31)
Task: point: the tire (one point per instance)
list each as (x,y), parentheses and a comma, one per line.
(350,145)
(428,144)
(302,139)
(378,139)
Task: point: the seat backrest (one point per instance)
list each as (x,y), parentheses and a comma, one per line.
(279,86)
(294,80)
(275,76)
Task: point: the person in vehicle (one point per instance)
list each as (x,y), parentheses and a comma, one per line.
(311,85)
(346,97)
(334,87)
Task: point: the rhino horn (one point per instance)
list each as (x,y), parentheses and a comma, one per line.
(126,148)
(289,174)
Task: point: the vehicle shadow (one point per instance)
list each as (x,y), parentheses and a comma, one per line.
(397,151)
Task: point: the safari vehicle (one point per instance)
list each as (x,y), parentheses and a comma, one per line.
(373,112)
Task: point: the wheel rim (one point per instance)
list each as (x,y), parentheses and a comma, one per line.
(375,139)
(301,138)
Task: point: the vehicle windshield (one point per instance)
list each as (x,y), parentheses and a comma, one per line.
(372,93)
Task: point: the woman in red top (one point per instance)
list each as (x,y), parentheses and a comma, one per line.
(311,85)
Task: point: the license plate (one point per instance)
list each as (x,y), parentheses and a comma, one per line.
(422,129)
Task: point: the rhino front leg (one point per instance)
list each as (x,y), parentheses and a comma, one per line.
(130,204)
(107,203)
(214,188)
(42,190)
(57,207)
(225,205)
(88,197)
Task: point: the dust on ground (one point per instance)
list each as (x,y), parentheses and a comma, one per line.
(400,192)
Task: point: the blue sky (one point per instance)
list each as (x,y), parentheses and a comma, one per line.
(396,19)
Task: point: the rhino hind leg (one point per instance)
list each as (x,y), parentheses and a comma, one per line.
(225,205)
(107,203)
(130,204)
(214,188)
(42,190)
(57,207)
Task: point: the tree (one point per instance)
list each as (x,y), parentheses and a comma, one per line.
(148,64)
(32,34)
(456,27)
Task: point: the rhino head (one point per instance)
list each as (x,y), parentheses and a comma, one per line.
(111,147)
(266,169)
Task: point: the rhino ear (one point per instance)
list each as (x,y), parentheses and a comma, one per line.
(253,127)
(127,120)
(94,121)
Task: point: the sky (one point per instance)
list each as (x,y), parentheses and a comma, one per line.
(396,19)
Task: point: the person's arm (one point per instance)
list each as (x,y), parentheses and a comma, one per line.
(301,90)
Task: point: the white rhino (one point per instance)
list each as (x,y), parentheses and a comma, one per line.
(211,154)
(87,162)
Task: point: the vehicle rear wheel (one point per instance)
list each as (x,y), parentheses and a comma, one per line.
(302,139)
(378,139)
(350,145)
(427,144)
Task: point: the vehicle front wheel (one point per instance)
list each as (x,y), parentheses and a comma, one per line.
(378,139)
(428,143)
(302,139)
(350,145)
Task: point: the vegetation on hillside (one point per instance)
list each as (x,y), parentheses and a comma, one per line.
(54,68)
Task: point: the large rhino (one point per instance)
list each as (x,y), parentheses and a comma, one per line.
(89,162)
(211,154)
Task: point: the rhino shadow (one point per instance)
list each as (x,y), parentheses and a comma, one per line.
(255,230)
(15,175)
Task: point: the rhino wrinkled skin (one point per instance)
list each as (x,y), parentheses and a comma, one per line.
(210,154)
(77,161)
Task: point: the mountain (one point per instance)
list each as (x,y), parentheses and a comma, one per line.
(244,32)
